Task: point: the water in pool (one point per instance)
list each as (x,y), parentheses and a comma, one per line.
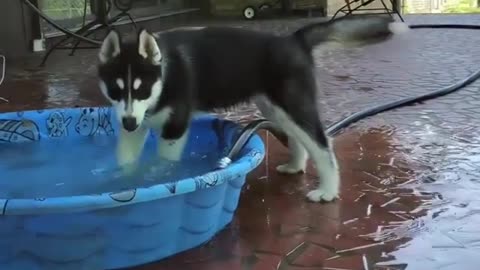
(86,165)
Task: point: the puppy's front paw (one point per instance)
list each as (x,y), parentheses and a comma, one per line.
(318,195)
(128,169)
(126,162)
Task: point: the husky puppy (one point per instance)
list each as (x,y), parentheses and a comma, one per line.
(159,81)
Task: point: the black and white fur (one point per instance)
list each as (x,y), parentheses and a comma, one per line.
(160,81)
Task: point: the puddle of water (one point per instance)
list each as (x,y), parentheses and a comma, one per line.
(447,236)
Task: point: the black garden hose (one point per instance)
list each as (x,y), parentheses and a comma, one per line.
(335,128)
(445,26)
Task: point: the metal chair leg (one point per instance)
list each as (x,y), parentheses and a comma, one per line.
(67,37)
(50,50)
(91,31)
(340,10)
(132,20)
(386,8)
(77,43)
(396,9)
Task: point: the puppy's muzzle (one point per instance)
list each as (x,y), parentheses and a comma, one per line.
(129,123)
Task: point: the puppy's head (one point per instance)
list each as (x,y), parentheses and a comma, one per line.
(130,74)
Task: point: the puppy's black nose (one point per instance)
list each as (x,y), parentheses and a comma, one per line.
(129,123)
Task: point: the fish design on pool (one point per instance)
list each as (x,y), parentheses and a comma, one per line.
(57,124)
(94,121)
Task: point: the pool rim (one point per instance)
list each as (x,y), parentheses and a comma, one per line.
(91,202)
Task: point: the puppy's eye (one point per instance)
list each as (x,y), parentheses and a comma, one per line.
(114,93)
(142,93)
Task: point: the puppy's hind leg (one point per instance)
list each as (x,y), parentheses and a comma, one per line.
(327,168)
(308,130)
(296,112)
(298,155)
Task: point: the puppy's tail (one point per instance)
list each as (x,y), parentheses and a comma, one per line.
(356,29)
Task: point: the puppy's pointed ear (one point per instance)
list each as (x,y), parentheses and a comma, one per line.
(148,47)
(110,47)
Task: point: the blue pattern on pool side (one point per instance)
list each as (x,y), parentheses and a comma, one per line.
(12,130)
(119,229)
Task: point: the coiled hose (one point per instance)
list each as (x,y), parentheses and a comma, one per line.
(335,128)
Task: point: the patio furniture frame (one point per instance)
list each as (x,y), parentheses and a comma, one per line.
(347,8)
(101,20)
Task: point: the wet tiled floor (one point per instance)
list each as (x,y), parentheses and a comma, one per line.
(410,176)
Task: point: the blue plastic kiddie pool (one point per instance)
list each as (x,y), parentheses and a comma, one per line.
(64,206)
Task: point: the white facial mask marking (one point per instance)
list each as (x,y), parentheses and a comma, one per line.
(120,83)
(129,109)
(136,83)
(138,108)
(119,109)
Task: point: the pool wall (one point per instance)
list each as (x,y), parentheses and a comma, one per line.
(124,228)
